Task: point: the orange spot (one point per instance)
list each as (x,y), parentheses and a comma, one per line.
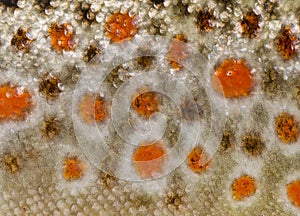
(178,51)
(293,192)
(93,107)
(15,102)
(120,26)
(62,36)
(146,104)
(148,159)
(243,187)
(232,78)
(73,168)
(197,160)
(287,128)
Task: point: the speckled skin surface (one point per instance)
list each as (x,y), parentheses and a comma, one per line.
(37,185)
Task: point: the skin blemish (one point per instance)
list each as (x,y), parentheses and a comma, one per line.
(84,13)
(157,3)
(107,180)
(50,127)
(227,142)
(92,50)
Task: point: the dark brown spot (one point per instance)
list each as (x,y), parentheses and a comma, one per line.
(107,180)
(286,43)
(272,82)
(253,144)
(20,40)
(50,127)
(250,24)
(157,3)
(227,141)
(271,8)
(205,20)
(84,13)
(50,87)
(9,3)
(145,62)
(91,52)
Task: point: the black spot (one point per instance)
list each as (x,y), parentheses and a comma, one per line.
(10,3)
